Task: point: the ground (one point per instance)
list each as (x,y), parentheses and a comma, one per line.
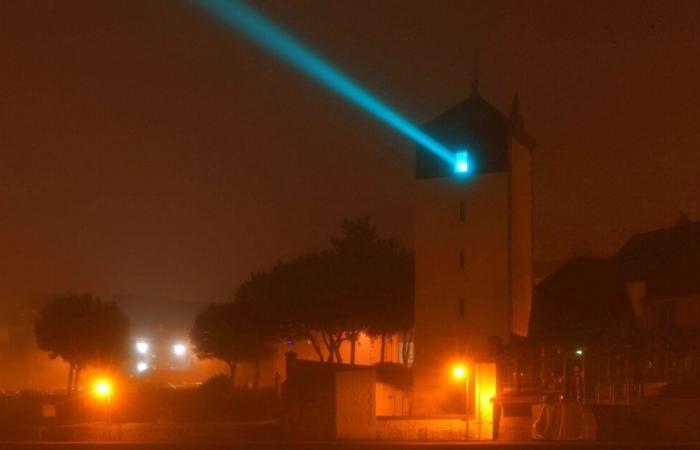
(347,445)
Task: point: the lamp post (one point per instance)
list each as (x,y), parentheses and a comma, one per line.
(103,389)
(460,372)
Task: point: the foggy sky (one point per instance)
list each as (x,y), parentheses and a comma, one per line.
(146,150)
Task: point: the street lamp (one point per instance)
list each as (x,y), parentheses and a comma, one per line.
(179,349)
(142,347)
(459,372)
(103,389)
(141,366)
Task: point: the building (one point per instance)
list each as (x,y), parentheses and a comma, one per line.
(473,243)
(661,273)
(618,327)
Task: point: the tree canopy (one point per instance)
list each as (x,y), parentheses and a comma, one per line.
(233,332)
(83,331)
(361,284)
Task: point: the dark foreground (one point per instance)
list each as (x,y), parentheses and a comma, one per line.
(346,445)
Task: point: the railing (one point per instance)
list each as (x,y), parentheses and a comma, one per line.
(625,392)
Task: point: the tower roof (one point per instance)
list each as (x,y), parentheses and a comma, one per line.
(476,126)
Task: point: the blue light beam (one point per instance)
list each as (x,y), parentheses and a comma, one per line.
(266,34)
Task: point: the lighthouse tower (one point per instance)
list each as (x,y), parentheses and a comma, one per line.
(473,243)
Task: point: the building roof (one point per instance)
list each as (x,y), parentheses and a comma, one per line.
(582,302)
(587,296)
(476,126)
(667,260)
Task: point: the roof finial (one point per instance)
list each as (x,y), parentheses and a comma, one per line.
(475,82)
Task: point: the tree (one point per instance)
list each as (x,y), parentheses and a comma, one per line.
(377,284)
(83,330)
(233,332)
(393,311)
(362,283)
(292,296)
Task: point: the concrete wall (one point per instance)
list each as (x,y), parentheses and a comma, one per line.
(324,401)
(355,415)
(368,352)
(521,236)
(391,401)
(443,335)
(425,429)
(653,420)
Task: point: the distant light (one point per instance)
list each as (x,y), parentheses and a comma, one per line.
(102,388)
(579,352)
(179,349)
(142,347)
(459,372)
(141,367)
(461,162)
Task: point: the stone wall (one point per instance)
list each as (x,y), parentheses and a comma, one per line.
(424,429)
(514,420)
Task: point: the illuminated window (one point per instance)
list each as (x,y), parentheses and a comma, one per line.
(461,162)
(460,307)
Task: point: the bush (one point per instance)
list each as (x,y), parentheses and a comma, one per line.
(212,400)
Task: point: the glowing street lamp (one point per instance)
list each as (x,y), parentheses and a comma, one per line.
(459,372)
(179,350)
(103,389)
(142,347)
(141,367)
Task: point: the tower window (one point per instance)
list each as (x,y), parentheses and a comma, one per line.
(461,211)
(461,259)
(460,307)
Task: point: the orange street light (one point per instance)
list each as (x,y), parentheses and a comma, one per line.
(102,388)
(459,372)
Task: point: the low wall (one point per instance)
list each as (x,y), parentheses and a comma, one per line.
(424,429)
(653,420)
(152,432)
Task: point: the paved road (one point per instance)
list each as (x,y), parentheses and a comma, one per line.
(354,445)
